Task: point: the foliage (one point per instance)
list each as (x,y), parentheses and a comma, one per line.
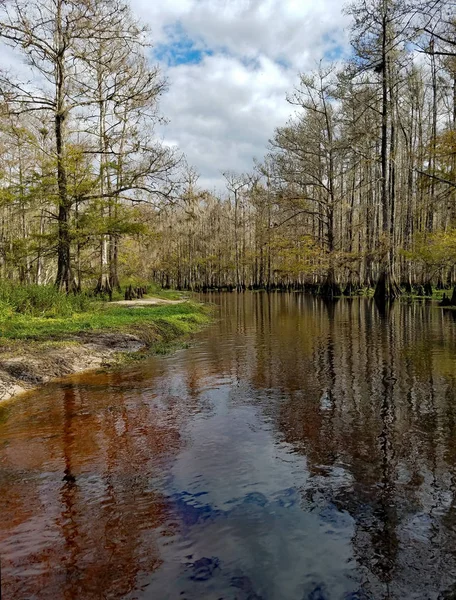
(364,168)
(183,318)
(42,301)
(435,251)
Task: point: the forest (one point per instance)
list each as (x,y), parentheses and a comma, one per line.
(355,192)
(165,431)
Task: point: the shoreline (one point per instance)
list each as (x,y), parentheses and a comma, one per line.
(28,364)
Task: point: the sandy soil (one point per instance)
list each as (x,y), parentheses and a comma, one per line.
(26,366)
(146,302)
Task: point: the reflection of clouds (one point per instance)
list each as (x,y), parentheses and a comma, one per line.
(283,551)
(247,513)
(294,452)
(370,416)
(244,450)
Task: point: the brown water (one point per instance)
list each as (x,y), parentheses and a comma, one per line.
(298,451)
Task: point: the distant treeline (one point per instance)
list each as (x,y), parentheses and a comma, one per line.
(356,190)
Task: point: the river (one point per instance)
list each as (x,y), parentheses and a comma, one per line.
(298,450)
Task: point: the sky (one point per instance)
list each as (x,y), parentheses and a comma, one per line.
(229,65)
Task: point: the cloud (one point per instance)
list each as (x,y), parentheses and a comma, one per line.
(229,64)
(280,29)
(223,111)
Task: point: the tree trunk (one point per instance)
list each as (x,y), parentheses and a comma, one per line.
(64,280)
(386,288)
(330,288)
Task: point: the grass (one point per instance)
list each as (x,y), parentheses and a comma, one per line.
(153,290)
(45,335)
(42,313)
(38,300)
(184,318)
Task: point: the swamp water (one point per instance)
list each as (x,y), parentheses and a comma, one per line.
(299,450)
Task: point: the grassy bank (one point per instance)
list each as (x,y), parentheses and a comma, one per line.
(42,313)
(46,335)
(166,319)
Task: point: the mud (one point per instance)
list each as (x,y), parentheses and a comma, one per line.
(27,365)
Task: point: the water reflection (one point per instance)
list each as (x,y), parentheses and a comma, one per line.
(300,450)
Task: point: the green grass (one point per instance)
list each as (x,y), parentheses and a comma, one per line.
(42,313)
(176,318)
(156,291)
(47,301)
(39,300)
(44,331)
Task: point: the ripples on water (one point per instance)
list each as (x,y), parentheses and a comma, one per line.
(298,451)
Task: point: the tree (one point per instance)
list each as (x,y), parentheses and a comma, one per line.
(378,38)
(308,162)
(88,58)
(123,91)
(235,183)
(47,32)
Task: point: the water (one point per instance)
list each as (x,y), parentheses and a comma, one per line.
(298,451)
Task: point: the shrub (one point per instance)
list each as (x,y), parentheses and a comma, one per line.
(40,301)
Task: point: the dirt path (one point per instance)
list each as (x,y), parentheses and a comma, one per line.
(148,301)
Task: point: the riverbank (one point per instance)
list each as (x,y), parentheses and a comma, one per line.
(36,350)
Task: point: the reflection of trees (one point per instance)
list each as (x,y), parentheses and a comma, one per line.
(369,400)
(386,420)
(106,445)
(380,553)
(362,391)
(337,374)
(69,499)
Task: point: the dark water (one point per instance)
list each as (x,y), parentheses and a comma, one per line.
(298,451)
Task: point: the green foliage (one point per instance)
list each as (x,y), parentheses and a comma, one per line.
(435,251)
(40,301)
(303,256)
(43,313)
(155,290)
(168,321)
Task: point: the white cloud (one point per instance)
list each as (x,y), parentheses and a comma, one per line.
(229,64)
(223,106)
(222,112)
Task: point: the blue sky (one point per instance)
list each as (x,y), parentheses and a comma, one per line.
(229,65)
(179,48)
